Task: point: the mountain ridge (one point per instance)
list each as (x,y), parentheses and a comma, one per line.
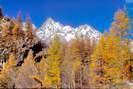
(50,28)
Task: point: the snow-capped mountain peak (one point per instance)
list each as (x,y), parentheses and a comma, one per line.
(50,28)
(50,21)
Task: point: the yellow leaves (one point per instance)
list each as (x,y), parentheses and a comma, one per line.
(113,72)
(4,79)
(7,71)
(79,49)
(47,82)
(42,77)
(55,46)
(16,31)
(29,28)
(76,65)
(110,57)
(5,31)
(49,69)
(10,63)
(122,23)
(107,48)
(122,17)
(53,74)
(54,63)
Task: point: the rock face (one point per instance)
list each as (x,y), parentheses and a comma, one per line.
(50,28)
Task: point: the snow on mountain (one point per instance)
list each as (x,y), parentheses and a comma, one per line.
(51,28)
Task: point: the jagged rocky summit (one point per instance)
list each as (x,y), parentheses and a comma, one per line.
(50,28)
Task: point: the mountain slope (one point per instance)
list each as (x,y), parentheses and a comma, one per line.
(51,28)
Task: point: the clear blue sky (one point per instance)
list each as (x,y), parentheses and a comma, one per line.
(98,13)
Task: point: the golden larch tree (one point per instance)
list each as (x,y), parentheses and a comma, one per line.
(108,61)
(54,63)
(8,72)
(121,24)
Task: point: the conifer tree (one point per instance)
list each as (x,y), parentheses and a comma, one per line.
(75,64)
(11,62)
(29,28)
(54,63)
(6,32)
(121,24)
(8,72)
(108,61)
(15,31)
(19,17)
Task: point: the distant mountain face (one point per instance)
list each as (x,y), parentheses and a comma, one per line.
(51,28)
